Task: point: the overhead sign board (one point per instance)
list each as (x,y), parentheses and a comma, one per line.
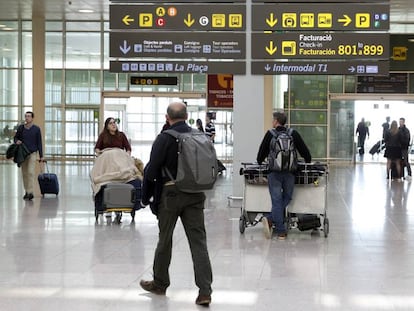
(210,45)
(330,1)
(145,80)
(183,1)
(171,66)
(320,45)
(317,16)
(321,67)
(203,17)
(396,83)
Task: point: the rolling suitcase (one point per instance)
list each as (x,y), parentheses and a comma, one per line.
(48,182)
(376,148)
(118,198)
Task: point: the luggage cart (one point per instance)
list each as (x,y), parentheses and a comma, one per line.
(308,205)
(256,198)
(308,208)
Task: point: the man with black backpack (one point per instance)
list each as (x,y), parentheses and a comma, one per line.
(279,146)
(169,174)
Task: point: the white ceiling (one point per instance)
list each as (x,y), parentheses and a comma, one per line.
(401,19)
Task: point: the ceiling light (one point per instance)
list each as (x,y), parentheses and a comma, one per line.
(85,11)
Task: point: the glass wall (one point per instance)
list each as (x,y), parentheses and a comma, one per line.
(307,108)
(15,77)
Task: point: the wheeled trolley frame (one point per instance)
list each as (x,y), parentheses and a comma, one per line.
(306,211)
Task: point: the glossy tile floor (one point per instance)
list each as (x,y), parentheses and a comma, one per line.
(54,257)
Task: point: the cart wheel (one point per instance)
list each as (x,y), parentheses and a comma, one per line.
(242,224)
(326,227)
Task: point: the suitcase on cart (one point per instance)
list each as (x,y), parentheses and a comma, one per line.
(118,198)
(48,182)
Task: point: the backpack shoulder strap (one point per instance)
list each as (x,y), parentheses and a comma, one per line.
(172,133)
(274,132)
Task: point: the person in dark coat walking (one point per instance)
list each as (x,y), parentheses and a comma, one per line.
(363,132)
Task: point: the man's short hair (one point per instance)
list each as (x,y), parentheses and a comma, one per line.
(280,117)
(177,111)
(30,112)
(402,119)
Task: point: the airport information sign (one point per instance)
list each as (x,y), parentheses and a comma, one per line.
(321,45)
(173,66)
(190,36)
(318,16)
(208,45)
(183,1)
(324,1)
(202,17)
(320,67)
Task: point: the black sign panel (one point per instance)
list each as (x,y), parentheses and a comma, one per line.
(154,80)
(317,16)
(219,17)
(210,45)
(321,68)
(330,1)
(183,1)
(396,83)
(170,66)
(320,45)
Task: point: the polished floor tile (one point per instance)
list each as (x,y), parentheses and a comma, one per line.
(54,257)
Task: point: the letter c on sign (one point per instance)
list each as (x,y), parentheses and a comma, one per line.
(160,22)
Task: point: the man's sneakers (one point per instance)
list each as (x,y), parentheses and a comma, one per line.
(150,286)
(203,300)
(267,227)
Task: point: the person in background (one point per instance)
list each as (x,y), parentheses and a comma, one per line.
(199,125)
(30,135)
(363,132)
(174,204)
(385,127)
(281,184)
(210,129)
(111,137)
(393,149)
(405,144)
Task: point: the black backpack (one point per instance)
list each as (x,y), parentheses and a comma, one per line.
(282,152)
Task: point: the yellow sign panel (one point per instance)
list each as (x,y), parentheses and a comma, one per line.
(325,20)
(289,20)
(219,20)
(399,53)
(145,20)
(289,48)
(362,20)
(235,20)
(307,20)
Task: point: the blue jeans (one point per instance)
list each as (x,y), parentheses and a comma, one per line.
(281,186)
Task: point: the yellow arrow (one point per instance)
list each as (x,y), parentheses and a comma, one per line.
(189,21)
(272,20)
(346,20)
(127,20)
(271,49)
